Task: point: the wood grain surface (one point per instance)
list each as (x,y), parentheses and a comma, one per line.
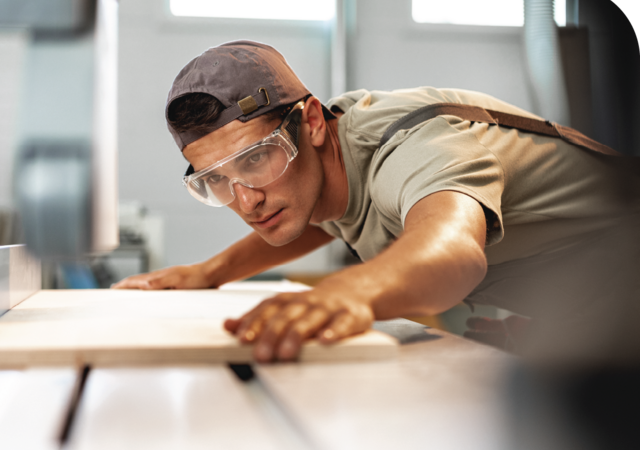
(124,327)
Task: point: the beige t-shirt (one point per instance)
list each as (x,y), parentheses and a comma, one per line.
(542,193)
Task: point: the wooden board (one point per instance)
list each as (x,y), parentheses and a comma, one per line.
(117,327)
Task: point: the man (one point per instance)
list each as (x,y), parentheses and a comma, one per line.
(445,211)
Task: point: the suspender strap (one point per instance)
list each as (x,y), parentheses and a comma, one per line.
(478,114)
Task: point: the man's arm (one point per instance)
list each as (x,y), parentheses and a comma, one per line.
(249,256)
(432,266)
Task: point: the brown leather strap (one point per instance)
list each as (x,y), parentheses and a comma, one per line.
(478,114)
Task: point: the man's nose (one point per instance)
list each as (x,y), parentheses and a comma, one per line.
(248,199)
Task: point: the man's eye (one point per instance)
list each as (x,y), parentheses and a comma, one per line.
(257,157)
(215,179)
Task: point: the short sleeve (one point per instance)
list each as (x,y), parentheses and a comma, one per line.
(441,155)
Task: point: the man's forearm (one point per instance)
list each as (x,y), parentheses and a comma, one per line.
(434,264)
(252,255)
(402,282)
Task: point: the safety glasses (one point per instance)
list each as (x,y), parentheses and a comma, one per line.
(254,166)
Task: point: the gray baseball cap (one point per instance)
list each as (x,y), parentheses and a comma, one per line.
(248,78)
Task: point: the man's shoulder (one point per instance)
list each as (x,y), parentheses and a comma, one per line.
(370,113)
(370,104)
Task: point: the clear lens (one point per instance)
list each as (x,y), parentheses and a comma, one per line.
(255,168)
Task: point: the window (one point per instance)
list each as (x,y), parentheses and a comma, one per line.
(478,12)
(255,9)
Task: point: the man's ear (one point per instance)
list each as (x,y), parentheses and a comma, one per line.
(312,114)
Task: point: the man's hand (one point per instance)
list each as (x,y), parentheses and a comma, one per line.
(279,325)
(177,277)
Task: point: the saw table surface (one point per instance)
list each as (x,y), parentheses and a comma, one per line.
(439,390)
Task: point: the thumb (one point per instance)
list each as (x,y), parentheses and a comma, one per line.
(131,283)
(231,325)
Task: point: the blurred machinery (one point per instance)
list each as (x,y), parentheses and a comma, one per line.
(141,249)
(64,178)
(141,246)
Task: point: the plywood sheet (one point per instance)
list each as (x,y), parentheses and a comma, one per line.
(116,327)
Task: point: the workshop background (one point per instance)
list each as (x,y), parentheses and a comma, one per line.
(371,44)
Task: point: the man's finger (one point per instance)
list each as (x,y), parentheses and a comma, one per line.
(341,326)
(252,323)
(231,325)
(303,328)
(276,328)
(131,283)
(151,281)
(255,311)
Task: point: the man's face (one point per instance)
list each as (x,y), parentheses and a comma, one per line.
(279,211)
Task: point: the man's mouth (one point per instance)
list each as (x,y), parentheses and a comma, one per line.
(269,221)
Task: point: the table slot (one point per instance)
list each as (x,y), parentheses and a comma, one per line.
(33,414)
(187,407)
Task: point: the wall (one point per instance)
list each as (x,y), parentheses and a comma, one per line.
(390,51)
(386,51)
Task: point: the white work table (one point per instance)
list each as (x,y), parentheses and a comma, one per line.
(441,391)
(434,390)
